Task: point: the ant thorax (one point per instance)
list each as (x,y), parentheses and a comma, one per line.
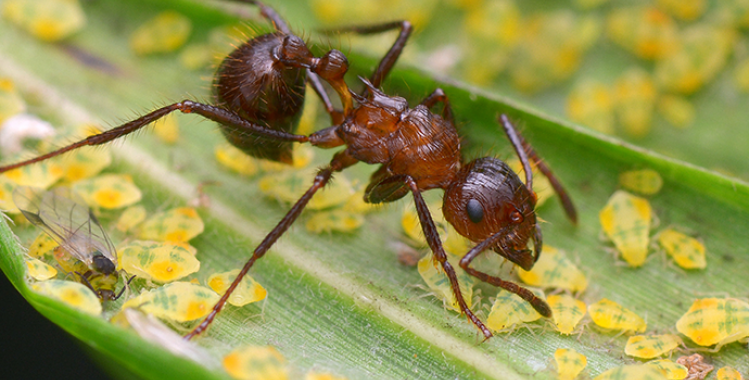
(410,141)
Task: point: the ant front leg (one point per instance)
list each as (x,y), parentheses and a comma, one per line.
(537,303)
(433,240)
(210,112)
(525,151)
(339,162)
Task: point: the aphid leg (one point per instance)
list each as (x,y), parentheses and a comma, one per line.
(438,96)
(537,303)
(565,200)
(127,286)
(339,162)
(433,240)
(210,112)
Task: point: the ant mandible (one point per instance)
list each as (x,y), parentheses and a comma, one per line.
(258,95)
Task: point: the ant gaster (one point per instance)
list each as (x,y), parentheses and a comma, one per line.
(258,97)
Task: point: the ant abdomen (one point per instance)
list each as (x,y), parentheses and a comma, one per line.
(256,85)
(487,197)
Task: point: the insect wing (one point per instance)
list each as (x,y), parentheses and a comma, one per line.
(67,219)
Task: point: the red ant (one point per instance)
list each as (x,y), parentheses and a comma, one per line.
(259,90)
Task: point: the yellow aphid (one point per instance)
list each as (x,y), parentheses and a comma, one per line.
(289,185)
(453,242)
(356,204)
(131,217)
(236,160)
(728,373)
(740,74)
(495,24)
(644,181)
(11,102)
(635,100)
(551,48)
(196,56)
(567,312)
(43,245)
(41,175)
(302,156)
(554,270)
(626,219)
(590,103)
(510,310)
(611,315)
(334,220)
(83,163)
(703,52)
(684,9)
(570,363)
(677,110)
(254,362)
(433,275)
(248,291)
(670,369)
(176,225)
(631,372)
(159,262)
(542,187)
(322,376)
(176,301)
(167,129)
(110,191)
(164,33)
(39,270)
(644,31)
(712,321)
(74,294)
(48,20)
(651,346)
(688,252)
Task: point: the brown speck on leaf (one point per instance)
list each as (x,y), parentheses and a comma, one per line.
(697,369)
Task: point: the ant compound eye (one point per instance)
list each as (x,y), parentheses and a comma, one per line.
(516,217)
(474,210)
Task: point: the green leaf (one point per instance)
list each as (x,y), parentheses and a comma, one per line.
(342,303)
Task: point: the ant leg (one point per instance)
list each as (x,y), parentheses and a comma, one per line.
(339,162)
(390,58)
(524,151)
(433,240)
(537,303)
(439,96)
(210,112)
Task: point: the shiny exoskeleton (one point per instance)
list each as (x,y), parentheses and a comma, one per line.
(259,92)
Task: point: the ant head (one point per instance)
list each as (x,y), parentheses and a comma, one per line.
(487,197)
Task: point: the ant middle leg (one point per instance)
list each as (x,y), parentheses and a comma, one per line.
(439,96)
(339,162)
(210,112)
(525,151)
(433,240)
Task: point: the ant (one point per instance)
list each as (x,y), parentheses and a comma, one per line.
(258,95)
